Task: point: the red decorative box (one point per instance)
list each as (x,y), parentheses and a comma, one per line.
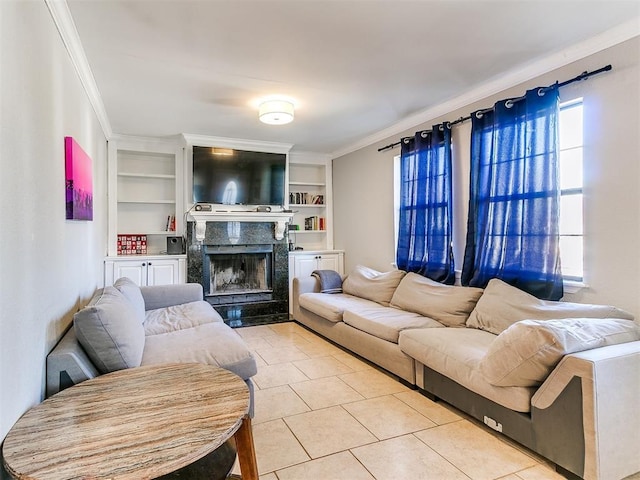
(132,244)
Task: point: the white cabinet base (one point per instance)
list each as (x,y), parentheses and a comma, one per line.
(303,263)
(147,270)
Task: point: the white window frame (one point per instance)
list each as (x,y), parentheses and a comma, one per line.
(574,283)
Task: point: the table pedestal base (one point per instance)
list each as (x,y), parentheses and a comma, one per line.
(214,466)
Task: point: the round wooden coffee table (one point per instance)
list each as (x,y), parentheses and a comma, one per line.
(138,423)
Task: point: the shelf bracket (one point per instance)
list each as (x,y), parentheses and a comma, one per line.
(279,229)
(201,228)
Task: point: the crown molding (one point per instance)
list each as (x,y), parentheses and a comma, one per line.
(66,27)
(237,143)
(304,156)
(607,39)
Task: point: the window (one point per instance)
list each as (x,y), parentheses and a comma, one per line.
(571,210)
(424,234)
(571,185)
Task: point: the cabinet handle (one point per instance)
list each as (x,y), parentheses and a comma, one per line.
(149,263)
(144,264)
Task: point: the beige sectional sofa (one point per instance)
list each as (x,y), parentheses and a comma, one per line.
(561,378)
(126,326)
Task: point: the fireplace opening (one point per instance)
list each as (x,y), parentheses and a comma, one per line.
(240,273)
(238,270)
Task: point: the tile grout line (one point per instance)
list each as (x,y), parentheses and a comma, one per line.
(285,336)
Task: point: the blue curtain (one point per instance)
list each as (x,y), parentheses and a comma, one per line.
(512,230)
(424,236)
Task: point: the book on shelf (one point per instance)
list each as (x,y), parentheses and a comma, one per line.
(305,198)
(171,224)
(314,223)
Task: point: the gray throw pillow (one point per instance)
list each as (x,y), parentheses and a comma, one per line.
(109,331)
(132,292)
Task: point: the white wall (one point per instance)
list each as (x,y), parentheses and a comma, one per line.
(49,266)
(363,189)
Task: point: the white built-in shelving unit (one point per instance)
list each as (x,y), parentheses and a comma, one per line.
(310,178)
(146,191)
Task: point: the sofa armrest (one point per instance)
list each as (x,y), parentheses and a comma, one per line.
(161,296)
(302,285)
(68,364)
(610,388)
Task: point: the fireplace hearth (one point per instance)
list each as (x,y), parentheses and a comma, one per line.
(243,271)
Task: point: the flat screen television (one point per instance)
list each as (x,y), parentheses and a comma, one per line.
(238,177)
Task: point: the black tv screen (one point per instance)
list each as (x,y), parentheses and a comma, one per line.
(238,177)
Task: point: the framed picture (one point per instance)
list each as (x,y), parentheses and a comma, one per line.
(78,181)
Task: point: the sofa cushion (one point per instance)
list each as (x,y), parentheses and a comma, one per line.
(456,354)
(526,352)
(178,317)
(502,305)
(386,322)
(332,306)
(109,331)
(376,286)
(131,292)
(212,344)
(448,304)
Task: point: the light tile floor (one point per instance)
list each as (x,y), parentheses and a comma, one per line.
(322,413)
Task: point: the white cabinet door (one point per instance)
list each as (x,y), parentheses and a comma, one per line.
(329,262)
(162,272)
(147,271)
(304,265)
(136,270)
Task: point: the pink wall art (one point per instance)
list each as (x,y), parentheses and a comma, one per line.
(79,181)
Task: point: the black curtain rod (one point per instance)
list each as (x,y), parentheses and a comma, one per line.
(583,76)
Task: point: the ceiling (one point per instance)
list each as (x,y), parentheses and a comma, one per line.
(354,67)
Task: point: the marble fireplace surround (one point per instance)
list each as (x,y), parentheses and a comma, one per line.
(209,232)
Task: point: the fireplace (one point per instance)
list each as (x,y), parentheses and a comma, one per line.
(243,270)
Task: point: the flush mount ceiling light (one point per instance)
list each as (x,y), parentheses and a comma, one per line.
(275,111)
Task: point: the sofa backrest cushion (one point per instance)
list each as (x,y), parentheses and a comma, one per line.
(528,351)
(448,304)
(502,305)
(372,285)
(131,292)
(109,331)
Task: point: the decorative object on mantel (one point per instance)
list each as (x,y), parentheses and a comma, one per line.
(276,111)
(78,181)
